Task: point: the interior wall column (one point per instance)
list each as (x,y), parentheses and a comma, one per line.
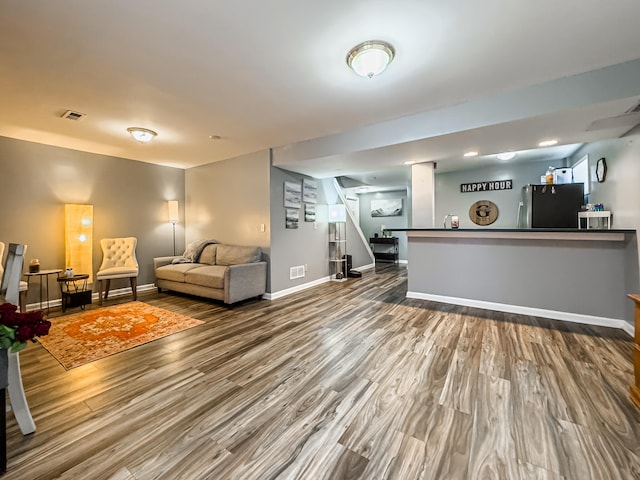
(423,195)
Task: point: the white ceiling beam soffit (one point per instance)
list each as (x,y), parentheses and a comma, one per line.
(602,85)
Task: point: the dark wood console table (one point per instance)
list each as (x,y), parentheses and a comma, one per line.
(384,248)
(635,388)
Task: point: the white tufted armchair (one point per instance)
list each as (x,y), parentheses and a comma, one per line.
(118,261)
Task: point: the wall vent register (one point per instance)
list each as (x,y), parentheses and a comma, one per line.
(296,272)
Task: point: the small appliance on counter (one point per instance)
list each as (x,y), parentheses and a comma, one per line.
(562,175)
(557,175)
(550,206)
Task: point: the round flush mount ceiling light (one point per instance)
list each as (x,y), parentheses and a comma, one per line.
(548,143)
(506,155)
(370,58)
(142,135)
(471,153)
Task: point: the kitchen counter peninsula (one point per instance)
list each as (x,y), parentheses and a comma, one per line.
(564,274)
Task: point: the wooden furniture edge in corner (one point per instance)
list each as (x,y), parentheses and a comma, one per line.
(635,389)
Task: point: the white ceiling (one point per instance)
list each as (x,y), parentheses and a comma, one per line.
(273,74)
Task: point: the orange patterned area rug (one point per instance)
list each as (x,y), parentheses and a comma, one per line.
(90,335)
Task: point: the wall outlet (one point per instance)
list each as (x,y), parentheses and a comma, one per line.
(262,227)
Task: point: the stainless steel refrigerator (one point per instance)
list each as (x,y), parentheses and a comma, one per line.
(550,206)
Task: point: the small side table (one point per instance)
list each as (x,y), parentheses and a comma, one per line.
(43,274)
(74,291)
(589,215)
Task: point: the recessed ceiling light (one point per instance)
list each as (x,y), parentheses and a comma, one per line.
(142,135)
(471,153)
(548,143)
(409,162)
(506,155)
(370,58)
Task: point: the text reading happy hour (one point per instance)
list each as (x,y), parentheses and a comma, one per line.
(486,186)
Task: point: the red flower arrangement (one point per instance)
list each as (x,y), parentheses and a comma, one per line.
(16,328)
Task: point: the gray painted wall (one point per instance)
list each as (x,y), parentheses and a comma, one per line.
(129,199)
(306,245)
(449,199)
(372,225)
(584,277)
(229,201)
(620,192)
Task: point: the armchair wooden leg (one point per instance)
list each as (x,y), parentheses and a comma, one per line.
(134,287)
(23,301)
(107,286)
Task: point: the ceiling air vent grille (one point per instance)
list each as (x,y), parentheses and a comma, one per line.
(75,116)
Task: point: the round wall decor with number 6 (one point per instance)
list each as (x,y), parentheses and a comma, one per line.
(483,212)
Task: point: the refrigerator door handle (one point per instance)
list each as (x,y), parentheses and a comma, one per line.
(520,205)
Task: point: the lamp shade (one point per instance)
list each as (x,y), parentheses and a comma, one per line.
(174,215)
(78,235)
(337,213)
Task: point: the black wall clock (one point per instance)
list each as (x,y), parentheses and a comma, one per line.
(601,170)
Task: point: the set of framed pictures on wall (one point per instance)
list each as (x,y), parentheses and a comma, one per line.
(295,196)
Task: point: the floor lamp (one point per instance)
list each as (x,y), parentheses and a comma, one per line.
(78,239)
(173,218)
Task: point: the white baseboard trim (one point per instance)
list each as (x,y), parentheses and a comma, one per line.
(365,267)
(296,289)
(630,329)
(536,312)
(94,296)
(119,292)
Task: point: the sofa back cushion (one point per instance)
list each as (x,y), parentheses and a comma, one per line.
(236,255)
(208,255)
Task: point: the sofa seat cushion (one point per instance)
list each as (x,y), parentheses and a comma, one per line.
(206,276)
(237,255)
(176,272)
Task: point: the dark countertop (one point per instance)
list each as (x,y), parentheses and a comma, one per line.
(505,230)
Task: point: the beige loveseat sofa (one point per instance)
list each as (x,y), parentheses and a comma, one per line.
(214,270)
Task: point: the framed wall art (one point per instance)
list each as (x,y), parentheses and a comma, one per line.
(309,191)
(309,212)
(389,207)
(292,195)
(292,217)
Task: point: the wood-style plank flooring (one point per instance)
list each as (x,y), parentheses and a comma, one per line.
(343,381)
